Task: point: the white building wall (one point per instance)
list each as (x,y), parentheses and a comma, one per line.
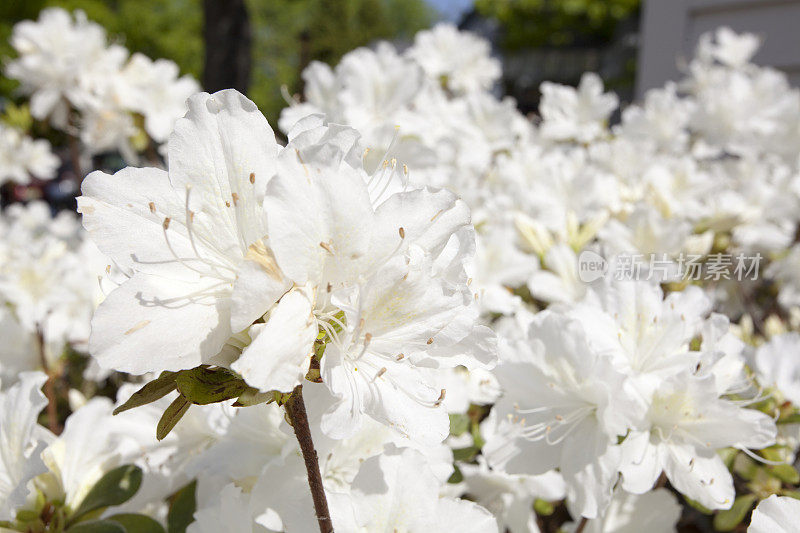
(671,28)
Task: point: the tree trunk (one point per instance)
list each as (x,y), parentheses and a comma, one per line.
(228,39)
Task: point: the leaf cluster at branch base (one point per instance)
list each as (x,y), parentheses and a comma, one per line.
(202,385)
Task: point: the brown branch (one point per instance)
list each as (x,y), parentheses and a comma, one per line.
(296,410)
(582,525)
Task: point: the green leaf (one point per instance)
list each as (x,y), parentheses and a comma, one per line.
(793,418)
(465,454)
(786,473)
(172,416)
(728,519)
(137,523)
(27,515)
(252,396)
(543,507)
(114,488)
(9,525)
(97,526)
(745,467)
(456,476)
(699,506)
(155,390)
(204,385)
(459,424)
(182,508)
(476,434)
(773,453)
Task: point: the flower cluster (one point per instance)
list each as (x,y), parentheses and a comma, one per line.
(49,287)
(22,157)
(245,254)
(94,90)
(399,288)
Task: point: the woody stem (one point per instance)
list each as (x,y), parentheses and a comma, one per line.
(296,410)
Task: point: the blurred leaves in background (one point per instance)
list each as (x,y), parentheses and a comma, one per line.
(535,23)
(287,34)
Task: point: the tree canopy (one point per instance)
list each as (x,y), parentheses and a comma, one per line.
(533,23)
(287,34)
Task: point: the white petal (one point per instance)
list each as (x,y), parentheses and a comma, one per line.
(19,455)
(149,324)
(224,146)
(704,479)
(319,217)
(464,516)
(279,356)
(776,514)
(125,214)
(258,286)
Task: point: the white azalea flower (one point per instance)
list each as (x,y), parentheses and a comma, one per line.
(776,363)
(460,60)
(365,91)
(18,353)
(655,512)
(383,276)
(191,241)
(580,114)
(647,336)
(232,511)
(22,157)
(785,272)
(48,281)
(397,491)
(508,497)
(22,440)
(90,445)
(686,423)
(728,47)
(349,243)
(57,55)
(776,514)
(560,281)
(662,120)
(572,422)
(154,89)
(499,267)
(339,460)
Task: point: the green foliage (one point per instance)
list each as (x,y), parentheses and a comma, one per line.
(289,34)
(533,23)
(155,390)
(172,415)
(786,473)
(543,507)
(182,508)
(137,523)
(698,506)
(459,424)
(157,28)
(728,519)
(12,11)
(98,526)
(201,385)
(114,488)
